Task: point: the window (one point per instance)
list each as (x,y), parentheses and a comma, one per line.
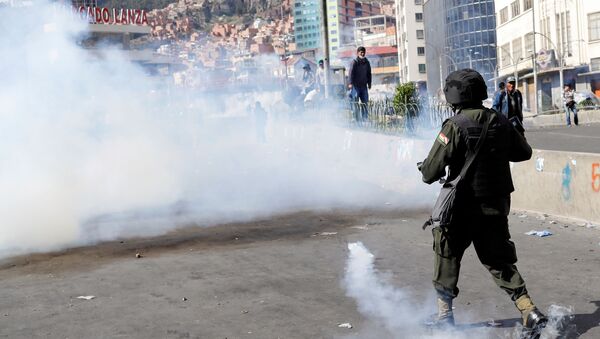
(527,4)
(563,31)
(297,4)
(545,27)
(595,64)
(418,2)
(421,51)
(515,8)
(422,68)
(419,17)
(334,40)
(420,34)
(333,32)
(503,15)
(517,49)
(505,57)
(528,44)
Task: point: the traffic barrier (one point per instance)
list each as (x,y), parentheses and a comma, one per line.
(559,183)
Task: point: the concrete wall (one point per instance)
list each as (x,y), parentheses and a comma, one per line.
(559,119)
(563,184)
(559,183)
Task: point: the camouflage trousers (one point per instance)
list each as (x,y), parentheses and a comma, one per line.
(491,239)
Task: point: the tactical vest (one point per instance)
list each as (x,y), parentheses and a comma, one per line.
(489,175)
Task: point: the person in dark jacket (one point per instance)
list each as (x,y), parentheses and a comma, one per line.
(481,213)
(360,79)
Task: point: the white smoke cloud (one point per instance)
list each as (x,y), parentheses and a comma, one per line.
(94,149)
(402,316)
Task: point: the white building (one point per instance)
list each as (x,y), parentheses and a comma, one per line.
(411,42)
(567,32)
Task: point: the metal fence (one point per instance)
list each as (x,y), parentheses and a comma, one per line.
(385,117)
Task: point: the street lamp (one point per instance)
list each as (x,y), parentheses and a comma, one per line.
(493,70)
(470,59)
(285,39)
(440,55)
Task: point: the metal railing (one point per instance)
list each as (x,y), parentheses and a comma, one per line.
(384,116)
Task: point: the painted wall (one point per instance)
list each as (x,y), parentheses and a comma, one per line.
(559,183)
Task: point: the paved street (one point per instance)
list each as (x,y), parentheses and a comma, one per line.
(583,138)
(283,278)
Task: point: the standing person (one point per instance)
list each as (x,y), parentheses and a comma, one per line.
(308,79)
(570,105)
(480,216)
(321,77)
(501,87)
(510,101)
(360,79)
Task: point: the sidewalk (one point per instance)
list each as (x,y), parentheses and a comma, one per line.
(531,120)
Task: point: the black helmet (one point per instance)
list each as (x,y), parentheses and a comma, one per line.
(464,86)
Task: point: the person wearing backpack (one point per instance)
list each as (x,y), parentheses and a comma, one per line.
(509,101)
(480,210)
(570,105)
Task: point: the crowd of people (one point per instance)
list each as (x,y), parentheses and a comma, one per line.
(507,100)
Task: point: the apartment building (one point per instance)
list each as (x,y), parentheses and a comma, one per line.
(566,40)
(340,15)
(411,42)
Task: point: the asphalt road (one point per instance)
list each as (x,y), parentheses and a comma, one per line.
(582,138)
(284,278)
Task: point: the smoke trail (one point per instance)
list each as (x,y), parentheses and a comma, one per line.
(403,317)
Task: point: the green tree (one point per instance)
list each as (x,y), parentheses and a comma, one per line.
(406,99)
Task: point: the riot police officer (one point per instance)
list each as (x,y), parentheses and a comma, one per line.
(481,214)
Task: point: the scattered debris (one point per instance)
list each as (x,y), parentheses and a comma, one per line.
(86,297)
(388,203)
(552,222)
(184,299)
(361,227)
(244,311)
(541,217)
(539,164)
(543,233)
(404,220)
(523,216)
(493,323)
(324,233)
(345,325)
(137,255)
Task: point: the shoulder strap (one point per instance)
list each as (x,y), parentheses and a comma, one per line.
(463,121)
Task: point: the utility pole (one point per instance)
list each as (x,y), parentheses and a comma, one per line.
(535,90)
(325,46)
